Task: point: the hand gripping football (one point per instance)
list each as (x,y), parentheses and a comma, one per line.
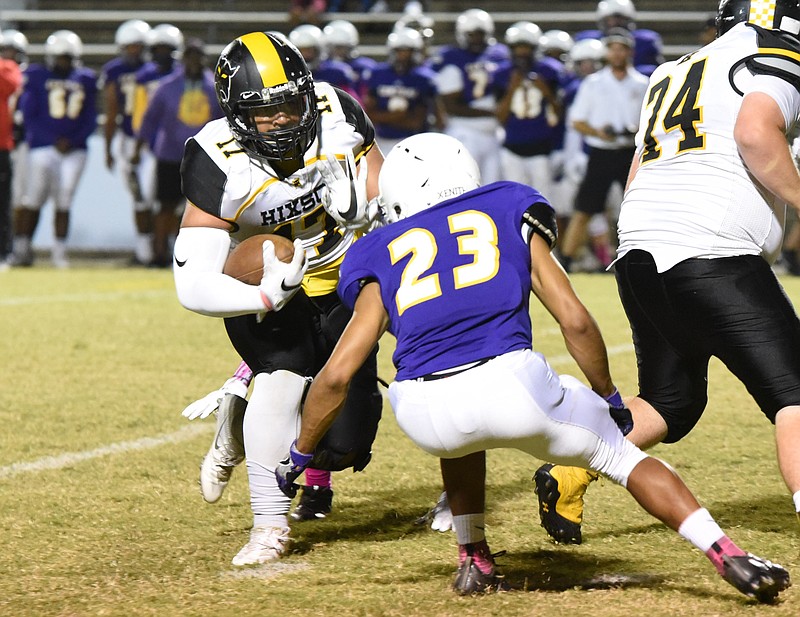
(246,262)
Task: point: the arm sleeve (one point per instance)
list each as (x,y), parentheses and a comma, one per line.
(200,255)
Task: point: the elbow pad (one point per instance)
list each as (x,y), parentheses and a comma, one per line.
(200,255)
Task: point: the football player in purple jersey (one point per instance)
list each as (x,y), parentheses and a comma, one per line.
(118,84)
(312,44)
(59,113)
(648,52)
(342,40)
(466,83)
(400,95)
(451,278)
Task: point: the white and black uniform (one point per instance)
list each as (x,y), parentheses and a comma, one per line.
(288,347)
(697,234)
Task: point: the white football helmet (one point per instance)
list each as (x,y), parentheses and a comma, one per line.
(166,34)
(63,43)
(404,38)
(607,8)
(555,42)
(588,49)
(341,33)
(132,32)
(523,33)
(14,39)
(307,35)
(470,21)
(423,170)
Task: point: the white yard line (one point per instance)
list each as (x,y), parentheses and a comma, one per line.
(70,458)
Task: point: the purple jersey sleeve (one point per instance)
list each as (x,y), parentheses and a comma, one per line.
(454,279)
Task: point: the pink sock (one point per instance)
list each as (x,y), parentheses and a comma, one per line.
(723,546)
(481,555)
(317,477)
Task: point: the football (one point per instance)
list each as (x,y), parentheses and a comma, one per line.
(246,261)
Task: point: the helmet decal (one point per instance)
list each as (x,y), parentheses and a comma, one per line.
(762,13)
(266,57)
(225,72)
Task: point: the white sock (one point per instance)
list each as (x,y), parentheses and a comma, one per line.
(22,245)
(796,499)
(469,528)
(701,529)
(59,249)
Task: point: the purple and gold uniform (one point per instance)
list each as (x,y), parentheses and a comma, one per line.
(122,73)
(395,91)
(455,278)
(55,106)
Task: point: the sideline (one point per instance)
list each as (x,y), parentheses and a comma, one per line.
(70,458)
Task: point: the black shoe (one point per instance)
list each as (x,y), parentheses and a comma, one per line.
(315,503)
(471,580)
(755,577)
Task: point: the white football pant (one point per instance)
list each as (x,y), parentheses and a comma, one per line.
(49,174)
(515,401)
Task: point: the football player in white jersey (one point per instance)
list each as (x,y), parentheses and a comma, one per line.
(274,165)
(701,222)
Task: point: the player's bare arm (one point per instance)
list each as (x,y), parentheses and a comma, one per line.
(195,217)
(329,389)
(760,135)
(581,335)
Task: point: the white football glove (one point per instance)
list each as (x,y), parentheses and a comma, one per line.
(439,516)
(346,200)
(204,407)
(280,281)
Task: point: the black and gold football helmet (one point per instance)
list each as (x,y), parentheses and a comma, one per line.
(770,14)
(260,75)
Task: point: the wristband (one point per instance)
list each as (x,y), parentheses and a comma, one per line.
(299,459)
(614,399)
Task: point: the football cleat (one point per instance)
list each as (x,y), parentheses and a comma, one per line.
(315,503)
(227,449)
(471,579)
(560,491)
(266,544)
(755,577)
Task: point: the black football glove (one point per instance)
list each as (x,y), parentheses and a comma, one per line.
(290,468)
(619,413)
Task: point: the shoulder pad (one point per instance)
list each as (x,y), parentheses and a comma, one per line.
(778,55)
(541,219)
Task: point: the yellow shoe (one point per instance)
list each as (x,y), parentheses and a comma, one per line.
(560,491)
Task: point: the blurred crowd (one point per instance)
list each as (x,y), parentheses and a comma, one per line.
(552,109)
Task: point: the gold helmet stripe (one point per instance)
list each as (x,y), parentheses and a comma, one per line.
(266,57)
(762,13)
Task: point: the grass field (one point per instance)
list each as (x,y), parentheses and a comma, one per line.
(101,514)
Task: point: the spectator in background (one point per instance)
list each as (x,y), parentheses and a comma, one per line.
(306,11)
(606,113)
(118,84)
(165,42)
(183,103)
(14,46)
(400,94)
(10,83)
(310,42)
(59,113)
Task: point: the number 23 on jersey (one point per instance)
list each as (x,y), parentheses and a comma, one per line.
(476,235)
